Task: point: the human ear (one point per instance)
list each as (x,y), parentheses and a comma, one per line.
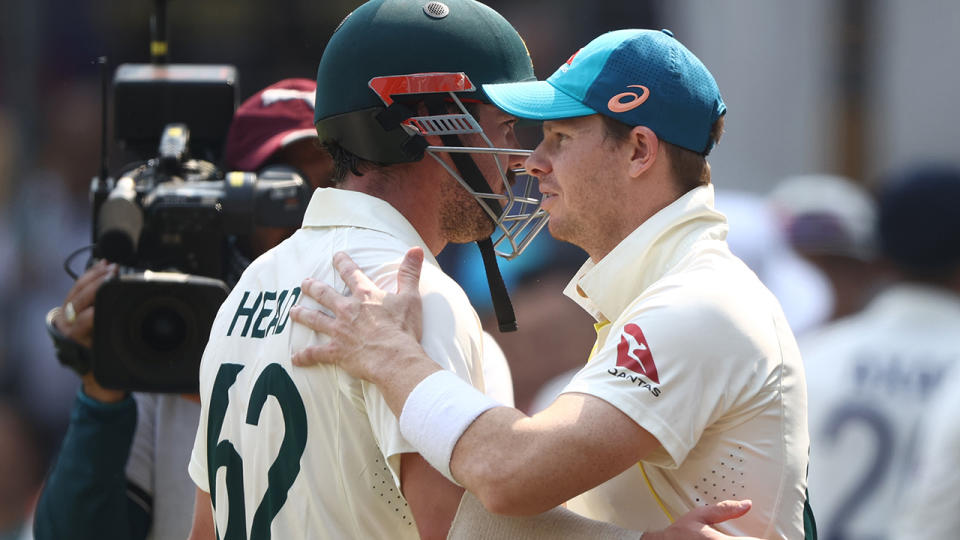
(644,147)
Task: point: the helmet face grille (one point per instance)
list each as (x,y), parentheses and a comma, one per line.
(448,124)
(436,10)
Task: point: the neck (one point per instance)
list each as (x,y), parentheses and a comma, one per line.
(638,202)
(411,189)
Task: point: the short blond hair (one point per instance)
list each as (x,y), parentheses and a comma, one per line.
(690,169)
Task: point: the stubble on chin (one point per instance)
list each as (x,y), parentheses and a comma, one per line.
(462,219)
(465,223)
(557,230)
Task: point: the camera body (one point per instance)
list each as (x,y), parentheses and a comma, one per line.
(176,226)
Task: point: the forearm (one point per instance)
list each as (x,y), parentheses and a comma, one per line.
(491,450)
(495,441)
(506,459)
(495,458)
(520,465)
(514,464)
(85,495)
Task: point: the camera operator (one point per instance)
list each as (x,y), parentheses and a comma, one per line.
(121,472)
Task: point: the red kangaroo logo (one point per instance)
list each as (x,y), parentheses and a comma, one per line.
(618,105)
(634,354)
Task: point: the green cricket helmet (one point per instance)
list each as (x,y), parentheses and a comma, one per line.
(403,37)
(388,56)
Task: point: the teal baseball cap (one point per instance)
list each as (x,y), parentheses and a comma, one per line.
(639,77)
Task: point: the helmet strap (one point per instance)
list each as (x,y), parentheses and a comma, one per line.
(467,167)
(506,319)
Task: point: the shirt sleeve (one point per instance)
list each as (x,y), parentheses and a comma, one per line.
(659,366)
(198,457)
(197,467)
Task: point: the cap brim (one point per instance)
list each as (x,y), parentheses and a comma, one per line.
(298,135)
(535,100)
(252,161)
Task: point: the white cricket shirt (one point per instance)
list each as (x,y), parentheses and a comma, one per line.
(696,351)
(872,378)
(313,452)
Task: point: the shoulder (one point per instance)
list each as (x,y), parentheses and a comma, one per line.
(435,285)
(452,334)
(713,306)
(310,251)
(701,293)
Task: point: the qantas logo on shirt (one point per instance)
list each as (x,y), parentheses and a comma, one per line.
(634,354)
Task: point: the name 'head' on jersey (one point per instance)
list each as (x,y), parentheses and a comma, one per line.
(398,71)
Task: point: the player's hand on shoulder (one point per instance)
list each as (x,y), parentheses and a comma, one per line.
(370,326)
(697,523)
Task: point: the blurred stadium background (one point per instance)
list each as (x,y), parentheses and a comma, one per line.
(848,87)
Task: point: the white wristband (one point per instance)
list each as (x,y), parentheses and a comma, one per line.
(436,414)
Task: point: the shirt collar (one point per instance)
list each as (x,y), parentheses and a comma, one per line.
(335,207)
(605,289)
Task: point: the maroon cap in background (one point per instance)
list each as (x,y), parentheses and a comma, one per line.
(274,117)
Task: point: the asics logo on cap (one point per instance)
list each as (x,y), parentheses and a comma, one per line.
(274,95)
(618,105)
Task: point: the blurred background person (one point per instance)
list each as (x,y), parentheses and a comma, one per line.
(121,472)
(21,468)
(830,221)
(9,147)
(56,189)
(871,375)
(930,510)
(758,237)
